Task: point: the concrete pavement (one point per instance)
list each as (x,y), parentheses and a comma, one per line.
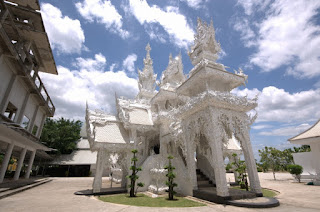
(58,195)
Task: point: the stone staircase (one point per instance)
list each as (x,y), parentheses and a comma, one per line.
(203,181)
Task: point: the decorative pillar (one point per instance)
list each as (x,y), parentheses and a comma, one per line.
(97,182)
(5,161)
(33,154)
(215,143)
(20,164)
(191,163)
(250,162)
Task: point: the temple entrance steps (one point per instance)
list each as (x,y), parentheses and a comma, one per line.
(203,181)
(207,191)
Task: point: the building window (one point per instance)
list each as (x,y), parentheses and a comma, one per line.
(10,111)
(25,122)
(34,130)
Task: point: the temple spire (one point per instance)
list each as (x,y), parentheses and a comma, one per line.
(147,79)
(205,45)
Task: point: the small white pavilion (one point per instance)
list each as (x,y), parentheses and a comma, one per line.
(311,137)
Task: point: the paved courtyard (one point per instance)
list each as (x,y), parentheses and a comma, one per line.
(57,195)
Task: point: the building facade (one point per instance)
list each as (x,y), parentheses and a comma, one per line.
(194,118)
(24,101)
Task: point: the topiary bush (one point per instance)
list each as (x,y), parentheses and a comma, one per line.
(171,177)
(295,170)
(133,177)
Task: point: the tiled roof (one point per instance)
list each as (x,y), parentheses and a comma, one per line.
(140,116)
(312,132)
(78,157)
(112,132)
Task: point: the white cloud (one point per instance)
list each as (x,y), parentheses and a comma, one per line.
(246,33)
(174,23)
(287,131)
(196,4)
(71,88)
(98,63)
(253,5)
(104,12)
(261,126)
(277,105)
(286,36)
(128,63)
(65,34)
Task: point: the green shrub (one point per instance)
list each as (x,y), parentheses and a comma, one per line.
(295,170)
(133,177)
(170,176)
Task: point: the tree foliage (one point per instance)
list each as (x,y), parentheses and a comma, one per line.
(134,177)
(271,157)
(171,177)
(61,134)
(277,160)
(240,167)
(296,170)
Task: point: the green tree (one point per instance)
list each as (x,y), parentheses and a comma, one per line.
(303,148)
(133,177)
(296,170)
(272,158)
(287,158)
(171,177)
(241,168)
(61,134)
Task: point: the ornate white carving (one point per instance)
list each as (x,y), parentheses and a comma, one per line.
(195,115)
(147,79)
(173,76)
(205,45)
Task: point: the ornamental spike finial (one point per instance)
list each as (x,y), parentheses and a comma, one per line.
(148,49)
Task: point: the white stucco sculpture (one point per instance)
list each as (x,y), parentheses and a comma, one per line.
(196,119)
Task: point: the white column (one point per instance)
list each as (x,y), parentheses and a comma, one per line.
(214,138)
(33,154)
(5,161)
(250,163)
(20,164)
(97,182)
(191,162)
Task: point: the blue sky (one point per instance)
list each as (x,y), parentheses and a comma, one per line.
(99,45)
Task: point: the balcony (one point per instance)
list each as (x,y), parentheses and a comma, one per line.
(24,42)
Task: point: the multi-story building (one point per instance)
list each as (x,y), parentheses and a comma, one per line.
(24,101)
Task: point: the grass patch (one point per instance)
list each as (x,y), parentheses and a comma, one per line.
(265,192)
(144,200)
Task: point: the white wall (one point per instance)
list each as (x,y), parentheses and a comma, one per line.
(5,76)
(30,107)
(17,94)
(304,159)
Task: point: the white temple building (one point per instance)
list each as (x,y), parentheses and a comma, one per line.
(309,160)
(195,118)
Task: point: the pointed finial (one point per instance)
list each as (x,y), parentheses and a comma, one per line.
(211,23)
(148,48)
(198,21)
(170,57)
